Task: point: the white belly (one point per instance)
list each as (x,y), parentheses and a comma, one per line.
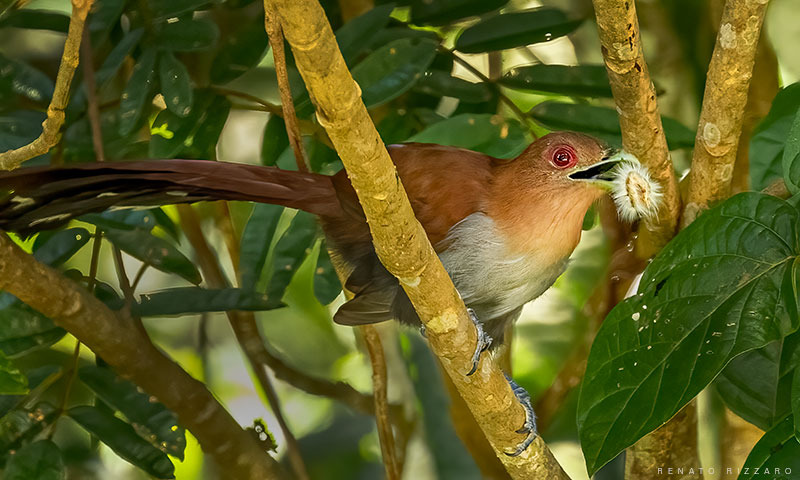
(491,280)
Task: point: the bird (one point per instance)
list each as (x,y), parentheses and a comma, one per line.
(504,229)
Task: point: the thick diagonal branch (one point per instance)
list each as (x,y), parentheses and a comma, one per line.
(635,97)
(399,239)
(122,345)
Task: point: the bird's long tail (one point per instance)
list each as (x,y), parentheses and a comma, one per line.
(39,198)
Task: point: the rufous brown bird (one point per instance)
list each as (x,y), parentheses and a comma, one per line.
(504,229)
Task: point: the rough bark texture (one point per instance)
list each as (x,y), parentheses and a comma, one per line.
(124,346)
(12,159)
(674,444)
(724,103)
(635,97)
(400,241)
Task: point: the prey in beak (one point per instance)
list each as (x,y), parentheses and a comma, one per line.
(602,173)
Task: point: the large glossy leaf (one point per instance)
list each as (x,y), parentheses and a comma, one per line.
(61,246)
(123,439)
(756,384)
(515,29)
(775,456)
(154,251)
(187,35)
(353,37)
(12,381)
(602,122)
(151,419)
(256,240)
(241,50)
(23,329)
(40,460)
(791,157)
(574,80)
(18,78)
(289,253)
(326,283)
(725,285)
(21,424)
(138,90)
(442,84)
(446,11)
(37,20)
(186,300)
(176,85)
(490,134)
(769,138)
(391,70)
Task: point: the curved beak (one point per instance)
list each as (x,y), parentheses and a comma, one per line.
(601,173)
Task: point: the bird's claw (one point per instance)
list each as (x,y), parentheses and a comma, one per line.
(484,341)
(529,426)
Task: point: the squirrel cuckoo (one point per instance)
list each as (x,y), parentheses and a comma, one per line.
(504,229)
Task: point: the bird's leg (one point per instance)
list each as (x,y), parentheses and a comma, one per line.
(484,340)
(529,426)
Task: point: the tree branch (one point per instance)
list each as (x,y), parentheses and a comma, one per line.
(12,159)
(132,355)
(724,103)
(400,241)
(635,97)
(379,386)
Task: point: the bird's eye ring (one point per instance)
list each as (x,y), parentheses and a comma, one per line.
(564,157)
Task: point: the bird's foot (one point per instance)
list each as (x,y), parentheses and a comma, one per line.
(484,341)
(529,426)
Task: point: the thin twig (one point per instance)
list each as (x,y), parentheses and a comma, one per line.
(91,96)
(11,159)
(275,34)
(245,329)
(379,387)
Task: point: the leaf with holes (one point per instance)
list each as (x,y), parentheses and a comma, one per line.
(155,251)
(574,80)
(123,439)
(40,460)
(725,285)
(394,68)
(777,451)
(517,29)
(149,417)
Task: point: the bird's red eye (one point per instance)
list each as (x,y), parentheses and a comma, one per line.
(564,157)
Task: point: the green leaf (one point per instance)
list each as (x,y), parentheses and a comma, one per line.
(12,381)
(22,424)
(255,243)
(442,84)
(241,50)
(353,37)
(161,10)
(515,29)
(23,328)
(175,84)
(18,78)
(35,376)
(151,419)
(578,80)
(105,16)
(154,251)
(769,138)
(122,219)
(602,122)
(61,246)
(714,292)
(756,384)
(275,140)
(114,60)
(19,128)
(187,35)
(123,439)
(326,282)
(188,300)
(391,70)
(490,134)
(777,451)
(193,135)
(289,253)
(791,157)
(447,11)
(795,396)
(37,461)
(138,90)
(37,20)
